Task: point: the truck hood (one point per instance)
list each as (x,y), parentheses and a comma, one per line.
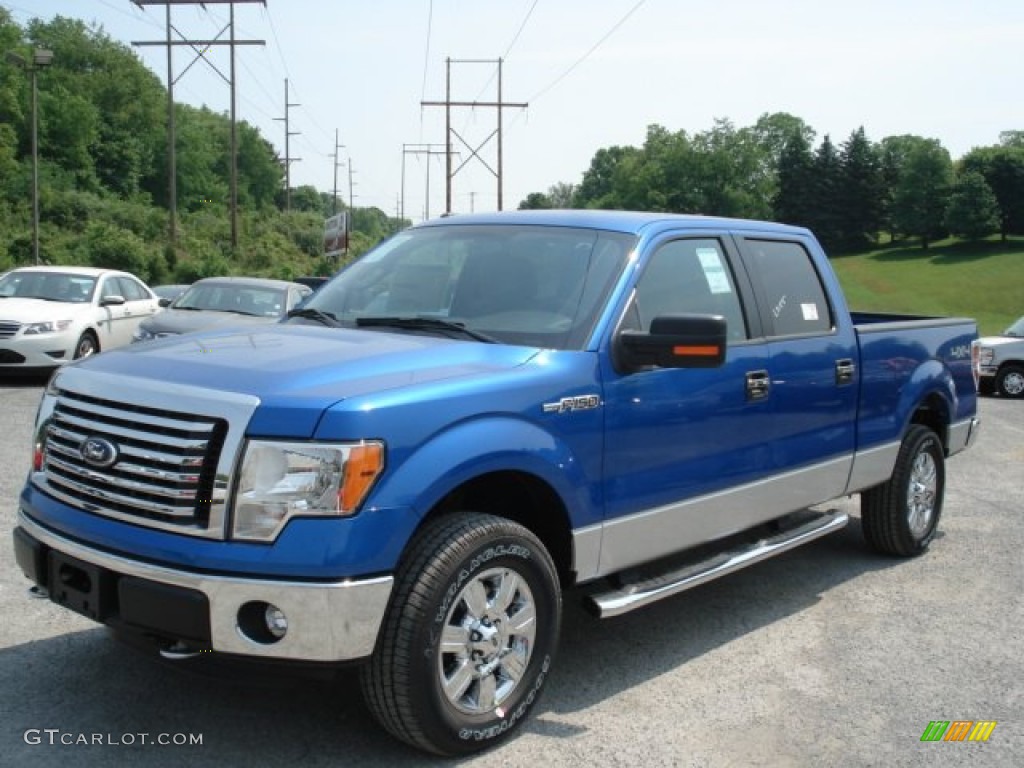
(1000,341)
(304,367)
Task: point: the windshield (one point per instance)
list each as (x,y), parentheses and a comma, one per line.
(529,285)
(1017,329)
(49,286)
(241,298)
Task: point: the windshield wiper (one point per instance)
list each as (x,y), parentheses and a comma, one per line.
(424,323)
(325,318)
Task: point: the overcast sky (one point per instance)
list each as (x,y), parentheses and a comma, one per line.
(595,73)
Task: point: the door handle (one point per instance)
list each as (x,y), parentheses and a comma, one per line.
(845,369)
(758,385)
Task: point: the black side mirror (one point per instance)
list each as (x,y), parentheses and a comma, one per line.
(110,301)
(674,341)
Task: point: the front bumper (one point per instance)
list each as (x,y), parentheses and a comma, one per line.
(327,622)
(45,350)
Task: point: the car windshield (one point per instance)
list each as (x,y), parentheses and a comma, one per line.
(48,286)
(1017,329)
(530,285)
(242,299)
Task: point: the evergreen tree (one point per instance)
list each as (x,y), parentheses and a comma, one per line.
(859,192)
(794,201)
(826,216)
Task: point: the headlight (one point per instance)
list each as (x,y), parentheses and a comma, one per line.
(987,355)
(279,481)
(47,326)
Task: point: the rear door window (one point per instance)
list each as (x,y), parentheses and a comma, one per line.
(795,300)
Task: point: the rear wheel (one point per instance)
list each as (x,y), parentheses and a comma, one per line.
(1010,381)
(87,345)
(900,516)
(469,637)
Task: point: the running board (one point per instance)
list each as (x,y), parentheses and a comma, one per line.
(672,582)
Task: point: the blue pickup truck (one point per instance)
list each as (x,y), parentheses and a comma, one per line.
(485,410)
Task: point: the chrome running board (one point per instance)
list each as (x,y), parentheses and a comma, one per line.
(678,579)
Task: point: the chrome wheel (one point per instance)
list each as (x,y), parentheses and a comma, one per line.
(921,493)
(1012,382)
(487,641)
(86,347)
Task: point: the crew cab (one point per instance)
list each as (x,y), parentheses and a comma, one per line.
(1001,360)
(485,410)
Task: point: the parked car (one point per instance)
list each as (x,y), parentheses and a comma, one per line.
(169,293)
(52,315)
(1002,362)
(223,301)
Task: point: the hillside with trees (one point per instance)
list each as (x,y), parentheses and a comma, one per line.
(103,172)
(905,187)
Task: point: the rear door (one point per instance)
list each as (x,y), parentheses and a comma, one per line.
(812,352)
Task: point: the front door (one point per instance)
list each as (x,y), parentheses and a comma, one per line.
(681,441)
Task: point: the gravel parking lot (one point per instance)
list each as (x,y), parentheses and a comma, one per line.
(825,656)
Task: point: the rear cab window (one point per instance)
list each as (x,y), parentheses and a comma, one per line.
(794,300)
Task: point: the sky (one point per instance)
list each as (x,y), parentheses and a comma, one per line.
(594,74)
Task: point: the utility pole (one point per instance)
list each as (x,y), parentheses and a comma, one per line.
(419,149)
(351,203)
(199,48)
(335,155)
(449,131)
(288,159)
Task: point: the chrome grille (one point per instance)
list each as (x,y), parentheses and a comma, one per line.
(8,328)
(165,463)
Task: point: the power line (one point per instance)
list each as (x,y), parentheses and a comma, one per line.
(587,55)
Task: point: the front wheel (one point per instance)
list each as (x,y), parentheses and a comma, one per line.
(469,637)
(87,346)
(1010,381)
(900,516)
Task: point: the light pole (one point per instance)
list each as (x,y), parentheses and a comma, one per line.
(41,57)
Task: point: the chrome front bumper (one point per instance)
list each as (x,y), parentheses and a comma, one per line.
(327,622)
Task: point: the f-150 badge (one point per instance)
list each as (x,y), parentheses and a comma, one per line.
(578,403)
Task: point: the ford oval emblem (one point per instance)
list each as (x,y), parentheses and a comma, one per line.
(98,451)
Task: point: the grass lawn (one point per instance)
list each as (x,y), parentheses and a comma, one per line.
(983,280)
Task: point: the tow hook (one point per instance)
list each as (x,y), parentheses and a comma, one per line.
(178,651)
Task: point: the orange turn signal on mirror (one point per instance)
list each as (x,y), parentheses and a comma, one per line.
(698,351)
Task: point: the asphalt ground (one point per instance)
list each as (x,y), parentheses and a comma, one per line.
(825,656)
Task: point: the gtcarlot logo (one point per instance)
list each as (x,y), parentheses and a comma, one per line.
(55,737)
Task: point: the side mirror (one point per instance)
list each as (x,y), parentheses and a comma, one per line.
(111,301)
(674,341)
(165,303)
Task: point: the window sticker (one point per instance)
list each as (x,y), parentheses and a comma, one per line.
(810,312)
(714,270)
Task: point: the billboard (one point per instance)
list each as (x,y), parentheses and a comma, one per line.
(336,235)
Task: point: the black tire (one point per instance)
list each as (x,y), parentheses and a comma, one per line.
(1010,381)
(454,561)
(87,345)
(986,386)
(900,516)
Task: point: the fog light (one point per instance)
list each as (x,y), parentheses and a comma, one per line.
(277,622)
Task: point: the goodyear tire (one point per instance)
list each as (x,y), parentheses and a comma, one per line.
(469,637)
(900,517)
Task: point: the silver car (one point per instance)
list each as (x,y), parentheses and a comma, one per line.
(215,302)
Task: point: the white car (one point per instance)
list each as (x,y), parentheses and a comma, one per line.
(52,315)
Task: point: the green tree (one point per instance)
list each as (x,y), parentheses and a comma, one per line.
(794,200)
(922,192)
(826,215)
(973,211)
(535,201)
(1003,170)
(860,190)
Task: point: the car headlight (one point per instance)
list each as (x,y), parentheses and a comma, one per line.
(46,326)
(281,480)
(987,355)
